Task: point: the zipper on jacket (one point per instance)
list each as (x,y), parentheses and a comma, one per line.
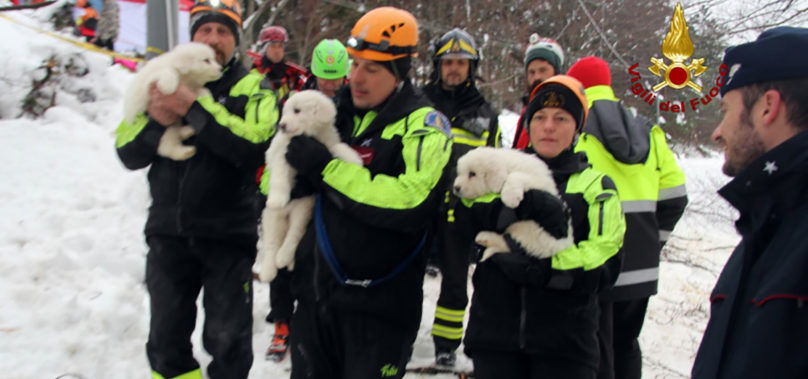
(522,316)
(182,173)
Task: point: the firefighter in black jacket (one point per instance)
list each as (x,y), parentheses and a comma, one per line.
(202,224)
(538,318)
(474,123)
(371,220)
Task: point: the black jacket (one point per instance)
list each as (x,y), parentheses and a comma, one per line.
(474,121)
(376,215)
(758,325)
(526,305)
(213,193)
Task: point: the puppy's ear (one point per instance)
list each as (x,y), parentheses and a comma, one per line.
(494,179)
(325,112)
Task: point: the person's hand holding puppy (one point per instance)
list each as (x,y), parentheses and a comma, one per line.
(308,156)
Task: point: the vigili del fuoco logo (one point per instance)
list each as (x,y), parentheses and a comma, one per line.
(678,48)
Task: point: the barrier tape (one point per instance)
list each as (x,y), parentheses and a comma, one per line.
(84,45)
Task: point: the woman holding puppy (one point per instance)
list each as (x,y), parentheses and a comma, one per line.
(538,318)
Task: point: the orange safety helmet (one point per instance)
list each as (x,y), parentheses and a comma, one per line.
(384,34)
(229,8)
(571,84)
(226,12)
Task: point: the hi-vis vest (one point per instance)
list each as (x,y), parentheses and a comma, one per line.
(653,197)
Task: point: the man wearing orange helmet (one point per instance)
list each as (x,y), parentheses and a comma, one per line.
(371,221)
(202,223)
(538,318)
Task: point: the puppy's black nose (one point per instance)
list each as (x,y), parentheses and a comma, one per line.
(282,127)
(456,190)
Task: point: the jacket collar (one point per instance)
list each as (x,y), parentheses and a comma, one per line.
(232,72)
(452,102)
(403,101)
(786,164)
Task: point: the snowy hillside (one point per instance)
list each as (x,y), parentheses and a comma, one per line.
(72,254)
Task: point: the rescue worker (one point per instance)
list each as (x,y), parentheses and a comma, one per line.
(88,22)
(635,154)
(108,25)
(329,66)
(474,123)
(538,318)
(543,59)
(202,223)
(284,77)
(372,220)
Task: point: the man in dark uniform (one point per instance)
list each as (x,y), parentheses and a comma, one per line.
(758,324)
(474,123)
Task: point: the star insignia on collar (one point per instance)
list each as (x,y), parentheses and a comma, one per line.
(771,167)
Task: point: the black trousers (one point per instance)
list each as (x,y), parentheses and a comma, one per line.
(108,44)
(620,326)
(454,255)
(333,343)
(494,364)
(177,268)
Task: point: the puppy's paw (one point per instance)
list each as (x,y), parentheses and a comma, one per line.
(186,132)
(183,153)
(171,146)
(268,270)
(167,82)
(285,257)
(493,242)
(511,196)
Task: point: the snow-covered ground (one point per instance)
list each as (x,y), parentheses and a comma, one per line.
(72,255)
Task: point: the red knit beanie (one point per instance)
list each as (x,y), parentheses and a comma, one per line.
(591,71)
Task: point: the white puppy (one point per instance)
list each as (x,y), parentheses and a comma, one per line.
(283,221)
(192,64)
(509,173)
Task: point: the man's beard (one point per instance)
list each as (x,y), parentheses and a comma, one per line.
(747,148)
(452,85)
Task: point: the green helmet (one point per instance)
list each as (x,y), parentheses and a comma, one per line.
(329,60)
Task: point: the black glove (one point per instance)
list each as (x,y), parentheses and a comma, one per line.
(548,210)
(308,156)
(303,187)
(520,267)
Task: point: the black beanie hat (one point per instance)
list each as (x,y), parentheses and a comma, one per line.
(399,67)
(208,16)
(556,95)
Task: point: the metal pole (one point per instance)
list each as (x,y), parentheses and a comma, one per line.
(161,26)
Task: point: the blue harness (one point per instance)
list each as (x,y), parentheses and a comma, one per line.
(333,264)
